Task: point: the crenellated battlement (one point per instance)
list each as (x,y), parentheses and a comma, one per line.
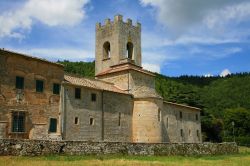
(117,41)
(118,20)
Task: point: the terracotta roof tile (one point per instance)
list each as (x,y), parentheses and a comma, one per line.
(123,67)
(92,83)
(29,56)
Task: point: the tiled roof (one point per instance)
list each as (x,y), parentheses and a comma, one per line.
(30,57)
(182,105)
(123,67)
(92,83)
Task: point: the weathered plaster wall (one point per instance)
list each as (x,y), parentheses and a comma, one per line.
(115,103)
(106,111)
(38,107)
(173,123)
(146,121)
(35,147)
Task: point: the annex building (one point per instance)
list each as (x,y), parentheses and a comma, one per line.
(38,100)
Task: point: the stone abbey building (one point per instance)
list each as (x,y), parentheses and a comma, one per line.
(38,100)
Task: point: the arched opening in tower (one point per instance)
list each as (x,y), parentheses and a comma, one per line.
(130,50)
(106,50)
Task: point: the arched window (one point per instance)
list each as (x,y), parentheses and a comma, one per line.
(106,50)
(130,50)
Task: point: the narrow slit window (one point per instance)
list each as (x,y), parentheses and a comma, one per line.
(167,122)
(91,121)
(181,132)
(76,120)
(19,82)
(180,115)
(196,117)
(198,133)
(159,115)
(119,119)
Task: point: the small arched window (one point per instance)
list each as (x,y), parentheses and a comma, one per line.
(130,50)
(106,50)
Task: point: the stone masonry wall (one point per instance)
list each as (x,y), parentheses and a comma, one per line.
(36,147)
(38,107)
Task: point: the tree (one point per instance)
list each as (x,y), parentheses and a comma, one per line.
(241,119)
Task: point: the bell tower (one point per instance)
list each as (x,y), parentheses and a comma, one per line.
(117,42)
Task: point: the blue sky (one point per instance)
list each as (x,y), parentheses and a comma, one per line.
(179,37)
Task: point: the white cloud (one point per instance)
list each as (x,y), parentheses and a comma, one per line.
(152,67)
(48,12)
(225,73)
(236,13)
(183,15)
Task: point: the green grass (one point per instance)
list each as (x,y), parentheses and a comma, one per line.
(241,159)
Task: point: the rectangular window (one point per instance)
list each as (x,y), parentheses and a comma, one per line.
(197,117)
(18,122)
(19,82)
(180,115)
(182,133)
(53,125)
(78,93)
(39,85)
(76,120)
(119,119)
(91,121)
(93,97)
(56,89)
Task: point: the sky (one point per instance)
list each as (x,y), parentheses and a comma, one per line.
(179,37)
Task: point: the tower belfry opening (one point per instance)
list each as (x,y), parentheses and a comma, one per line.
(106,50)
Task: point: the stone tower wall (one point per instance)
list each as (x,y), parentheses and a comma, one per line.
(147,121)
(118,34)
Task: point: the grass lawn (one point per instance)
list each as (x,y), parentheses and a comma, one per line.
(242,159)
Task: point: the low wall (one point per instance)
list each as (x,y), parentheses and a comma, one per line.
(41,147)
